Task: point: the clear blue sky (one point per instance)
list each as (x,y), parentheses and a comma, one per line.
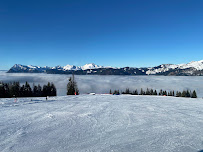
(118,33)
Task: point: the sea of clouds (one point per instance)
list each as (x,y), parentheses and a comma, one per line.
(102,84)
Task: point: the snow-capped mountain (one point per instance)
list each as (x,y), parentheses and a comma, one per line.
(28,69)
(71,67)
(190,69)
(84,67)
(91,66)
(36,69)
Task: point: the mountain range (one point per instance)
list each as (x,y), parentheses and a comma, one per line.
(194,68)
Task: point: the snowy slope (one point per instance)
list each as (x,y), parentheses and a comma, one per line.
(196,65)
(101,123)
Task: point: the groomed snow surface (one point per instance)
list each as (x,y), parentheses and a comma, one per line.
(88,123)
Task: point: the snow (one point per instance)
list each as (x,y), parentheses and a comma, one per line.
(17,67)
(71,67)
(65,68)
(90,66)
(197,65)
(101,123)
(85,67)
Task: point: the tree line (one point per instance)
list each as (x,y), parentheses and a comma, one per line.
(14,89)
(184,93)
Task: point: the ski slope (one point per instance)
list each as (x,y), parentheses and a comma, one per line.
(101,123)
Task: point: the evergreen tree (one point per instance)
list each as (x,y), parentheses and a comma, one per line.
(173,94)
(116,92)
(183,94)
(7,90)
(72,87)
(141,92)
(178,94)
(39,90)
(188,93)
(194,95)
(147,92)
(161,92)
(34,91)
(22,91)
(44,91)
(135,92)
(13,89)
(127,91)
(151,92)
(2,90)
(170,93)
(155,93)
(27,90)
(53,90)
(164,93)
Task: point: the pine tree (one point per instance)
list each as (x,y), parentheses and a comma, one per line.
(72,87)
(170,93)
(183,94)
(188,93)
(141,92)
(161,92)
(35,91)
(53,90)
(147,92)
(13,89)
(164,93)
(44,91)
(116,92)
(2,90)
(194,95)
(151,92)
(127,91)
(178,94)
(155,93)
(135,92)
(22,91)
(27,90)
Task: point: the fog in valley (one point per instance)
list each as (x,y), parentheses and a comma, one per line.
(102,84)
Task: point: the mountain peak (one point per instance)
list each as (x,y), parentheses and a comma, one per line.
(90,66)
(191,68)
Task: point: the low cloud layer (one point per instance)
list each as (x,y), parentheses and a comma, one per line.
(102,84)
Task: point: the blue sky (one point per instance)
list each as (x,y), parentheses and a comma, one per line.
(118,33)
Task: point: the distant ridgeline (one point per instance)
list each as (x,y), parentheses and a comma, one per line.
(14,89)
(194,68)
(187,93)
